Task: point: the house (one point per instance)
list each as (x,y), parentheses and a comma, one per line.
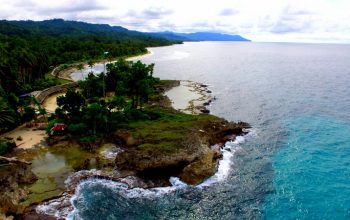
(58,129)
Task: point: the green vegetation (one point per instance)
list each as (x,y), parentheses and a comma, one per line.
(30,50)
(6,146)
(88,115)
(58,81)
(165,129)
(14,111)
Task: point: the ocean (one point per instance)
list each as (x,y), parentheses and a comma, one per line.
(294,164)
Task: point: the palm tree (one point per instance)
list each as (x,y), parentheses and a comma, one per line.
(91,64)
(7,117)
(26,61)
(80,67)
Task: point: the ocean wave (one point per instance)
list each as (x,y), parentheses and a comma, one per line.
(123,190)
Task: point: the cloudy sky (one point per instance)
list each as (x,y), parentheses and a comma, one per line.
(258,20)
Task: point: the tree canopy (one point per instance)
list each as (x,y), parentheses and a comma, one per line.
(30,49)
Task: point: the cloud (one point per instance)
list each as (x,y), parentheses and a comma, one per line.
(268,20)
(62,6)
(156,13)
(228,12)
(291,21)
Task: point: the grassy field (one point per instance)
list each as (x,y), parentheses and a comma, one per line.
(167,130)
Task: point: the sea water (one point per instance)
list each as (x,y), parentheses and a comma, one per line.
(294,165)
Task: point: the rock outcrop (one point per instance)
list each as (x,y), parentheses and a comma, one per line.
(195,159)
(12,173)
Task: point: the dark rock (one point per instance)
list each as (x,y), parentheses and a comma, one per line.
(205,111)
(194,161)
(11,175)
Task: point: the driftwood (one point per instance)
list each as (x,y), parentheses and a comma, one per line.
(5,160)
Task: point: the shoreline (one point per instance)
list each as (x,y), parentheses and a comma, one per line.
(62,207)
(202,158)
(75,179)
(190,97)
(66,73)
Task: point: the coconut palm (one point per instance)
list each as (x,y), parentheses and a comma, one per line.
(7,115)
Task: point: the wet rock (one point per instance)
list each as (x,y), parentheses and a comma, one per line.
(200,169)
(205,111)
(134,182)
(127,139)
(60,206)
(216,148)
(194,161)
(11,175)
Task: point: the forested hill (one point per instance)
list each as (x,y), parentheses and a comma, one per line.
(29,49)
(199,36)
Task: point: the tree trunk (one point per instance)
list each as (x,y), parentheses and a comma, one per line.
(5,160)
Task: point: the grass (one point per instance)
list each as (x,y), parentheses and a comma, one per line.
(166,133)
(59,80)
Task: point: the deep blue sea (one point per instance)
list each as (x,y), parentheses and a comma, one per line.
(295,164)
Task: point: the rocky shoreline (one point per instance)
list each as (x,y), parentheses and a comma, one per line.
(195,159)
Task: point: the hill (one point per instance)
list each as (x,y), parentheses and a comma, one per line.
(199,36)
(29,49)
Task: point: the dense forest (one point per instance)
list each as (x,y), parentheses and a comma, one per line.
(89,113)
(29,50)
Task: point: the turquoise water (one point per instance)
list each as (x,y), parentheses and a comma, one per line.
(312,175)
(296,162)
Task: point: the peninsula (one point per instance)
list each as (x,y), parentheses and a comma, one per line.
(116,125)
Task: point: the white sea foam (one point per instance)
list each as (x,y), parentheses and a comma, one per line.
(225,165)
(112,152)
(60,207)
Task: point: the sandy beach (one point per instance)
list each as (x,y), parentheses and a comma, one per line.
(189,97)
(31,137)
(67,73)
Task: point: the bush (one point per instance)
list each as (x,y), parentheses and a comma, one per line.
(29,113)
(136,114)
(78,129)
(6,146)
(88,139)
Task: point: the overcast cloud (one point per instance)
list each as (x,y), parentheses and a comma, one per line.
(268,20)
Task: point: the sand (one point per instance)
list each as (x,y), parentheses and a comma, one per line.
(30,137)
(73,74)
(188,97)
(50,103)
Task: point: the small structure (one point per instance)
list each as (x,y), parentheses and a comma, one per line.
(58,129)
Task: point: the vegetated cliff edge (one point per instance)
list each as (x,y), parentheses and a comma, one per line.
(172,143)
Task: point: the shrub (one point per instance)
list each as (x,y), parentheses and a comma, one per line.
(136,114)
(88,139)
(6,146)
(78,129)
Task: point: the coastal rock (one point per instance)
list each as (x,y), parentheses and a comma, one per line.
(201,168)
(216,148)
(11,175)
(194,161)
(127,139)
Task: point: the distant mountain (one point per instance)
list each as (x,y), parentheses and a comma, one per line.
(199,36)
